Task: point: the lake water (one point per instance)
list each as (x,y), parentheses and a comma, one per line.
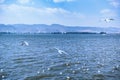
(60,57)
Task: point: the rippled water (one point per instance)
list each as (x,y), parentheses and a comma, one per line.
(60,57)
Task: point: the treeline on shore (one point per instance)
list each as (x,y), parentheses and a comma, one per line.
(57,33)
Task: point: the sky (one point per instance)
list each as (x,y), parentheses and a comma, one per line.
(64,12)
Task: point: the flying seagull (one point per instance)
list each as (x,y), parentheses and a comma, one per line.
(25,43)
(60,51)
(107,19)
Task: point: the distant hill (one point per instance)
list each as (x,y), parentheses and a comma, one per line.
(43,28)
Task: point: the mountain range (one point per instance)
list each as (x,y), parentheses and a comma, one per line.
(43,28)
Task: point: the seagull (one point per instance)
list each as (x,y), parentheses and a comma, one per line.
(60,51)
(25,43)
(107,19)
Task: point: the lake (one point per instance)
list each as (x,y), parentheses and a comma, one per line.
(60,57)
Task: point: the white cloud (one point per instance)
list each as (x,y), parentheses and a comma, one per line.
(31,15)
(1,1)
(104,11)
(108,13)
(23,1)
(58,1)
(114,3)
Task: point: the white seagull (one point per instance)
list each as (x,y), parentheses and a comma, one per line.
(107,19)
(25,43)
(60,51)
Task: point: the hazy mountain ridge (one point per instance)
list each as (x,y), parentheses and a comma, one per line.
(43,28)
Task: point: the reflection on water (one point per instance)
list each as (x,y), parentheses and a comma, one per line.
(60,57)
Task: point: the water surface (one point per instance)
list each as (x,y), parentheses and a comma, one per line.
(89,57)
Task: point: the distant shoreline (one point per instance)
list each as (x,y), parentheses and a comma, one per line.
(56,33)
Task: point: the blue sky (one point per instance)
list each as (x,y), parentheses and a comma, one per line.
(65,12)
